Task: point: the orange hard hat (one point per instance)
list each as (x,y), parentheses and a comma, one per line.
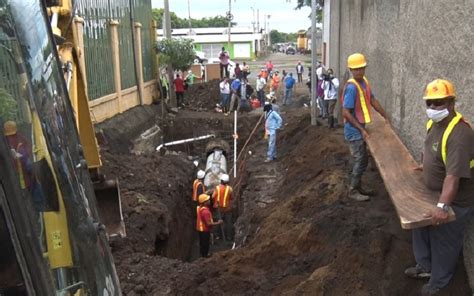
(439,89)
(356,60)
(203,198)
(9,128)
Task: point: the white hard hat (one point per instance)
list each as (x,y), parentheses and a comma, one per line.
(201,174)
(225,178)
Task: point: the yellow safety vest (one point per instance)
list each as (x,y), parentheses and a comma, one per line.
(362,106)
(446,134)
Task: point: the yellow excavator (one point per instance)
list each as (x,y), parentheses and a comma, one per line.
(55,222)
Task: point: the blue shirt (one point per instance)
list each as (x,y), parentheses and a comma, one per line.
(273,121)
(289,82)
(235,84)
(351,133)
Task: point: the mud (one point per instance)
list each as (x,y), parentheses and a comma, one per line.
(297,233)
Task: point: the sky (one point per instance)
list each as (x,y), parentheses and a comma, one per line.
(283,16)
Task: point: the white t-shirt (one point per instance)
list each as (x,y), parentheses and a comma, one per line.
(225,87)
(330,91)
(260,83)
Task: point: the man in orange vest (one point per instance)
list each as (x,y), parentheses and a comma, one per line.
(222,197)
(204,223)
(448,168)
(357,101)
(198,185)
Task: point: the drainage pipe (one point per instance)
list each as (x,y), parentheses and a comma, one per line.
(185,141)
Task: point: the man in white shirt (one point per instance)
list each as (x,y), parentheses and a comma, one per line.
(331,89)
(260,86)
(224,62)
(224,87)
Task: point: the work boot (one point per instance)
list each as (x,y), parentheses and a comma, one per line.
(427,290)
(357,196)
(366,191)
(331,121)
(417,272)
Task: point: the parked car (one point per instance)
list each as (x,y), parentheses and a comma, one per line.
(291,50)
(231,66)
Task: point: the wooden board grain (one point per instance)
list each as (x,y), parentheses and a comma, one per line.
(405,186)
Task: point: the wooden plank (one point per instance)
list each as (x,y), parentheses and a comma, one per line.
(405,186)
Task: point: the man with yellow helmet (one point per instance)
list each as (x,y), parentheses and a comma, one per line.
(448,168)
(357,99)
(204,223)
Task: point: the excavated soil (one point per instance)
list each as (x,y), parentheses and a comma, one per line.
(297,233)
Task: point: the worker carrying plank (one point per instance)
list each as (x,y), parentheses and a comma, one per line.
(448,167)
(357,99)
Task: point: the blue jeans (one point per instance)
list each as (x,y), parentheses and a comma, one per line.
(288,95)
(358,151)
(225,98)
(261,97)
(271,154)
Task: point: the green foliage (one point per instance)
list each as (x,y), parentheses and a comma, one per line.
(178,23)
(8,106)
(319,8)
(280,37)
(176,52)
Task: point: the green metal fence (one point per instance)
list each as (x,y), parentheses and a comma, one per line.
(142,15)
(98,52)
(97,47)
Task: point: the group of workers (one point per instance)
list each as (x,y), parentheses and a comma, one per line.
(213,211)
(447,168)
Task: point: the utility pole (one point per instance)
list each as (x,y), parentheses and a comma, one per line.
(265,30)
(229,17)
(258,20)
(269,41)
(314,79)
(253,19)
(167,26)
(189,18)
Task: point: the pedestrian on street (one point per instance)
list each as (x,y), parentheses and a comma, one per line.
(299,72)
(331,89)
(273,122)
(224,63)
(269,67)
(235,94)
(448,169)
(245,70)
(204,223)
(198,185)
(179,90)
(224,88)
(289,85)
(222,197)
(260,86)
(237,71)
(357,99)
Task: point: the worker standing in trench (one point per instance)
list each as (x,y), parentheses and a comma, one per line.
(222,197)
(448,168)
(204,223)
(273,122)
(198,185)
(356,101)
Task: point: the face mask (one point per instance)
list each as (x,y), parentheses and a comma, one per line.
(437,115)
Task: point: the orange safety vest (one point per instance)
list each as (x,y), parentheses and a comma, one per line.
(223,194)
(444,140)
(196,185)
(200,225)
(275,81)
(362,101)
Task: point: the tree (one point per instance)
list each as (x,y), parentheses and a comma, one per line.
(280,37)
(8,106)
(178,23)
(319,8)
(177,54)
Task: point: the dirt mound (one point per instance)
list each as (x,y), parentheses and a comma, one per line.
(203,96)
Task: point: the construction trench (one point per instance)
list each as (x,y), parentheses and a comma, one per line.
(296,232)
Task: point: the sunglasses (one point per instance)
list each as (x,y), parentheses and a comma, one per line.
(435,103)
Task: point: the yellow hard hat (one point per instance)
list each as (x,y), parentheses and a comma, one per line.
(9,128)
(356,60)
(203,198)
(439,89)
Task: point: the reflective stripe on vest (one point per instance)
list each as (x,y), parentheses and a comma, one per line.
(447,132)
(200,226)
(196,184)
(362,105)
(223,201)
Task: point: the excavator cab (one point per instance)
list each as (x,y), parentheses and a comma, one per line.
(52,240)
